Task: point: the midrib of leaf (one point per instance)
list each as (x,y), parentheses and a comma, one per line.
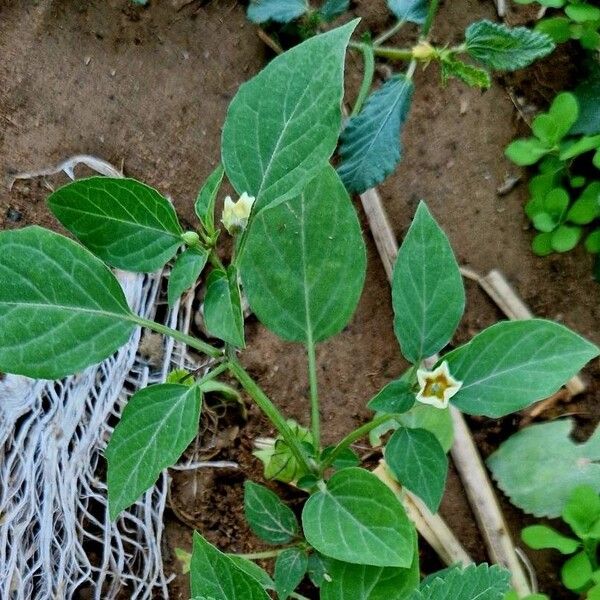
(272,517)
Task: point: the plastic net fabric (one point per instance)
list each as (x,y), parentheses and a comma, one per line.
(55,534)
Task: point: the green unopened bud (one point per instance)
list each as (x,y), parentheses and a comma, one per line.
(236,214)
(423,51)
(191,238)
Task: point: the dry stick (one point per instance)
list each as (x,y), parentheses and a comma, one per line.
(501,7)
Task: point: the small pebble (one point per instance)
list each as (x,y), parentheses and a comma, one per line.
(13,215)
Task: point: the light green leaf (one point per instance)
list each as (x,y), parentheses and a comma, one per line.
(557,28)
(332,9)
(581,13)
(508,49)
(587,94)
(157,425)
(420,464)
(512,364)
(469,74)
(207,196)
(370,143)
(576,573)
(565,238)
(539,537)
(356,518)
(582,511)
(274,143)
(526,152)
(542,244)
(427,290)
(565,111)
(215,575)
(269,518)
(280,11)
(584,144)
(414,11)
(396,397)
(303,265)
(290,568)
(539,467)
(61,309)
(127,224)
(222,307)
(592,242)
(185,272)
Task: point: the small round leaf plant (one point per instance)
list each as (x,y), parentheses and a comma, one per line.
(299,258)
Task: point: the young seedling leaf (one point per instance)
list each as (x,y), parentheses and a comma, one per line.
(207,196)
(356,518)
(576,573)
(185,272)
(539,537)
(427,290)
(274,143)
(587,207)
(512,364)
(332,9)
(290,568)
(539,467)
(414,11)
(223,308)
(565,238)
(317,569)
(61,309)
(582,511)
(564,110)
(303,265)
(420,464)
(269,518)
(396,397)
(526,152)
(215,575)
(507,49)
(157,425)
(280,11)
(127,224)
(469,74)
(370,143)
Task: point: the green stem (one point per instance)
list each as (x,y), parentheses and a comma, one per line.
(315,417)
(190,341)
(369,71)
(386,35)
(270,410)
(210,375)
(433,6)
(393,53)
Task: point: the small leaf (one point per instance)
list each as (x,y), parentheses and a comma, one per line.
(317,569)
(158,424)
(557,28)
(576,572)
(539,537)
(269,518)
(252,569)
(565,238)
(127,224)
(185,272)
(587,207)
(592,242)
(290,568)
(414,11)
(556,203)
(437,421)
(565,111)
(280,11)
(396,397)
(542,244)
(582,510)
(346,458)
(580,13)
(500,47)
(222,307)
(542,221)
(332,9)
(365,522)
(427,290)
(370,143)
(525,152)
(512,364)
(207,196)
(587,95)
(419,463)
(469,74)
(546,129)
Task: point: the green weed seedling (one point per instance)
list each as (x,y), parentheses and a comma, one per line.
(299,258)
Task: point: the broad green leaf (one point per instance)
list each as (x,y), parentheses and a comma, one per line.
(475,582)
(582,511)
(185,272)
(469,74)
(420,464)
(222,307)
(565,238)
(290,568)
(580,13)
(61,309)
(158,424)
(587,94)
(508,49)
(269,518)
(539,537)
(396,397)
(526,152)
(437,421)
(539,467)
(332,9)
(414,11)
(274,143)
(280,11)
(370,143)
(427,290)
(556,202)
(512,364)
(215,575)
(207,196)
(303,265)
(356,518)
(128,224)
(545,128)
(584,144)
(576,572)
(252,569)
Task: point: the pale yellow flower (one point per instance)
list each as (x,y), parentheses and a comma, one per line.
(236,214)
(437,387)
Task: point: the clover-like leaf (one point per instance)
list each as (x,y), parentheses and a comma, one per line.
(539,537)
(185,272)
(577,572)
(280,11)
(290,568)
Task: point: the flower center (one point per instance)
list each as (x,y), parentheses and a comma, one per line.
(436,386)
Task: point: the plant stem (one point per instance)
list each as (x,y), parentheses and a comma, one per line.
(369,70)
(179,336)
(315,417)
(270,410)
(433,6)
(393,53)
(386,35)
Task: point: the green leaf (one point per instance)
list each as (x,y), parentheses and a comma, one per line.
(127,224)
(580,13)
(475,582)
(542,244)
(576,572)
(396,397)
(469,74)
(437,421)
(223,308)
(565,111)
(420,464)
(525,152)
(539,537)
(587,207)
(303,265)
(587,95)
(427,290)
(582,510)
(542,221)
(185,272)
(592,242)
(269,518)
(512,364)
(252,569)
(274,143)
(370,143)
(584,144)
(508,49)
(207,196)
(317,569)
(280,11)
(332,9)
(546,129)
(565,238)
(556,202)
(346,458)
(539,467)
(61,309)
(356,518)
(290,568)
(158,424)
(215,575)
(557,28)
(414,11)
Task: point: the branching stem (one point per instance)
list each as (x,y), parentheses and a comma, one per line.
(386,35)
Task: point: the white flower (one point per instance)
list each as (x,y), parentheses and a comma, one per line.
(236,214)
(437,387)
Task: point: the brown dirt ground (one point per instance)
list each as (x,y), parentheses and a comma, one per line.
(149,88)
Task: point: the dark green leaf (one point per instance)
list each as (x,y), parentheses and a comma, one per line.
(185,272)
(414,11)
(472,76)
(396,397)
(346,458)
(207,196)
(252,569)
(557,28)
(588,98)
(290,568)
(542,244)
(280,11)
(317,569)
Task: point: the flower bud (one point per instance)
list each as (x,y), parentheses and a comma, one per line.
(190,238)
(423,51)
(236,214)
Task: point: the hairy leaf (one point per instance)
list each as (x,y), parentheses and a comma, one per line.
(469,74)
(414,11)
(280,11)
(290,568)
(185,272)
